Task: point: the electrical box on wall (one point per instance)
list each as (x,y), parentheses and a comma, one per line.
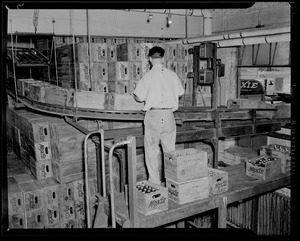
(206,77)
(206,50)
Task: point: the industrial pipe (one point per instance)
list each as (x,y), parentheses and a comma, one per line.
(180,12)
(254,40)
(207,21)
(279,34)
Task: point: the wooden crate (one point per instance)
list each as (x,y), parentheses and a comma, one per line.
(59,96)
(184,165)
(218,181)
(182,52)
(84,85)
(37,91)
(111,53)
(68,172)
(16,140)
(99,72)
(33,196)
(98,52)
(79,203)
(50,189)
(236,155)
(100,86)
(280,151)
(66,211)
(90,100)
(17,221)
(72,152)
(42,169)
(21,86)
(39,151)
(39,169)
(69,224)
(35,218)
(79,189)
(188,191)
(270,170)
(119,87)
(34,126)
(153,202)
(52,216)
(82,72)
(122,102)
(133,51)
(66,192)
(24,177)
(15,197)
(135,70)
(170,52)
(81,53)
(118,70)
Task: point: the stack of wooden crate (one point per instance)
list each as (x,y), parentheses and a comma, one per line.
(31,141)
(186,175)
(57,189)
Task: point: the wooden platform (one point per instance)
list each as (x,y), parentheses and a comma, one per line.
(240,187)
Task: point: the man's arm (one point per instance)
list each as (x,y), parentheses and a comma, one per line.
(136,98)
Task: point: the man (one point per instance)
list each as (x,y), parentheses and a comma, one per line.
(160,89)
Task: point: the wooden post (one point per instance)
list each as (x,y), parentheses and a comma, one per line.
(254,215)
(222,211)
(131,152)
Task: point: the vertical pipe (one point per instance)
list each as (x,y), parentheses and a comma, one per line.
(207,21)
(13,60)
(112,197)
(186,24)
(103,163)
(75,74)
(54,47)
(89,47)
(131,157)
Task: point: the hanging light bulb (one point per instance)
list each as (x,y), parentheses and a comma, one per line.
(169,17)
(150,17)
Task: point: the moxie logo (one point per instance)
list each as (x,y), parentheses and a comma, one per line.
(256,170)
(42,151)
(221,184)
(86,72)
(123,71)
(173,192)
(41,133)
(155,203)
(14,204)
(79,188)
(31,200)
(50,214)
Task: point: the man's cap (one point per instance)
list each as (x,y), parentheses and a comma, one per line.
(156,52)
